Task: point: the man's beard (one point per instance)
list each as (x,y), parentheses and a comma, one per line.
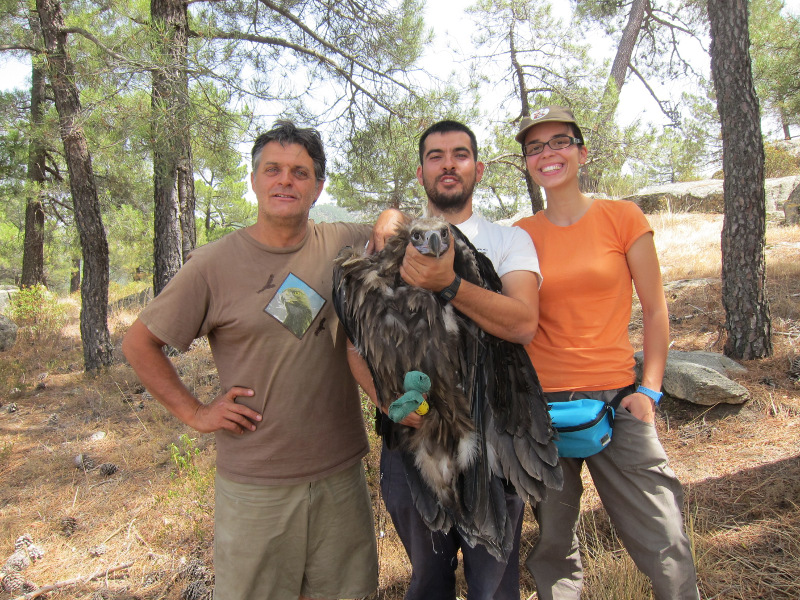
(451,202)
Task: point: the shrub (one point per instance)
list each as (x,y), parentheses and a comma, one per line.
(779,162)
(38,313)
(184,456)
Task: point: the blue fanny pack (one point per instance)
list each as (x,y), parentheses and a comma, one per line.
(584,426)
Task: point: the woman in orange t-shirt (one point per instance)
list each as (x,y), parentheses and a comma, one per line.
(591,253)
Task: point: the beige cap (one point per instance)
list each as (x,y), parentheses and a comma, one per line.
(558,114)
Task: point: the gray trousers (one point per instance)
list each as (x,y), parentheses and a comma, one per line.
(643,498)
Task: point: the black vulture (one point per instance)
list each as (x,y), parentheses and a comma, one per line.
(487,422)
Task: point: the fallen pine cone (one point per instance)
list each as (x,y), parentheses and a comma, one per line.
(197,590)
(68,526)
(108,469)
(82,461)
(14,583)
(19,561)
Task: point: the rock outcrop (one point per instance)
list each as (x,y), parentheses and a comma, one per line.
(8,333)
(791,208)
(700,378)
(6,293)
(707,196)
(782,197)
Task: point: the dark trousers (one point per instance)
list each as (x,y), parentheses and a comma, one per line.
(434,554)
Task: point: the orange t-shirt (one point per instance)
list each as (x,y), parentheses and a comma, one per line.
(585,298)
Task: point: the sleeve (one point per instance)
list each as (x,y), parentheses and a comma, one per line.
(520,254)
(348,234)
(179,314)
(633,223)
(360,234)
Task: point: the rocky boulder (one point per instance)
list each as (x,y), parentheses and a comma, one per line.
(6,293)
(8,333)
(713,360)
(791,208)
(690,196)
(700,378)
(707,196)
(779,190)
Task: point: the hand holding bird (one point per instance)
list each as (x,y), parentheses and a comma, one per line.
(428,270)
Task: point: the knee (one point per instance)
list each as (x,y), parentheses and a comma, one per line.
(548,548)
(557,538)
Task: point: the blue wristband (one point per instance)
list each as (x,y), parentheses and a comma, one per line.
(652,394)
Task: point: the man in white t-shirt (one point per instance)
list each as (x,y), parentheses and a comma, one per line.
(449,169)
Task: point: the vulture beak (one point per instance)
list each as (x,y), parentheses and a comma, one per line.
(434,245)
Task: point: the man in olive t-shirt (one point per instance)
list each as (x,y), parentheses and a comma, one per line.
(293,516)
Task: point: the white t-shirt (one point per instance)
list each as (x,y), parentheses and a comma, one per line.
(509,248)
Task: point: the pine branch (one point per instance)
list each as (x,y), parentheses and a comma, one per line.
(321,58)
(670,114)
(327,45)
(25,47)
(94,39)
(74,581)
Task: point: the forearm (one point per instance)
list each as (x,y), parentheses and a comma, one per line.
(512,316)
(157,374)
(506,317)
(655,346)
(646,273)
(361,373)
(363,376)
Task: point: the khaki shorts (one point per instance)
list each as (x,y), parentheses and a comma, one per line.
(279,542)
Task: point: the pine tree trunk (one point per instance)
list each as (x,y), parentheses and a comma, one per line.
(173,175)
(167,244)
(787,134)
(534,192)
(33,244)
(592,173)
(94,247)
(747,317)
(187,198)
(622,59)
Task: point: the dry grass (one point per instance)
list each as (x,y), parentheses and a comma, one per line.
(740,465)
(689,248)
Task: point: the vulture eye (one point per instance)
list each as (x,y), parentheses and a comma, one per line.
(416,236)
(445,234)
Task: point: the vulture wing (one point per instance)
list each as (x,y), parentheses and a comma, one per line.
(509,397)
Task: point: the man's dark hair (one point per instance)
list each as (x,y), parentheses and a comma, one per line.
(445,127)
(285,132)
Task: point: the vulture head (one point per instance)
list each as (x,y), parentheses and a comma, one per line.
(430,236)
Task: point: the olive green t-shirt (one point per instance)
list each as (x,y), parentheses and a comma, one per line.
(271,326)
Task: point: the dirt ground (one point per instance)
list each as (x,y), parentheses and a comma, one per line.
(118,495)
